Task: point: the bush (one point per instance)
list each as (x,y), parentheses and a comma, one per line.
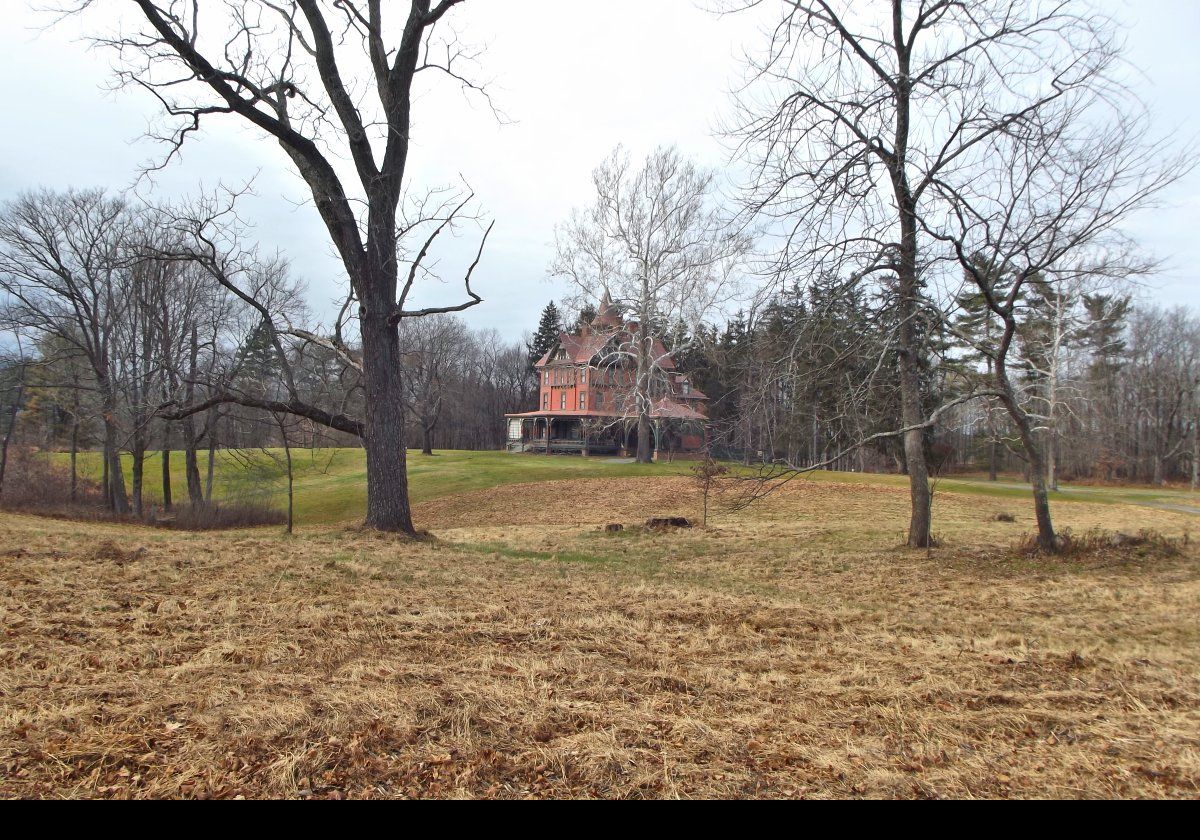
(33,484)
(1100,543)
(221,515)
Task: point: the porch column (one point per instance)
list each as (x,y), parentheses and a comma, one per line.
(549,427)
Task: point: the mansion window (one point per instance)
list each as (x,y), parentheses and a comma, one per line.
(583,402)
(562,401)
(546,401)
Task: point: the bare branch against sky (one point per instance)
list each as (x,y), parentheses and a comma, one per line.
(567,102)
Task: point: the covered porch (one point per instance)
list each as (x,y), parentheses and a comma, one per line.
(557,435)
(551,434)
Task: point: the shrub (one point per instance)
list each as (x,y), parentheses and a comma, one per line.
(221,515)
(33,484)
(1099,543)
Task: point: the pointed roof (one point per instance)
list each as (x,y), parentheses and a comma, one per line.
(589,341)
(582,348)
(666,408)
(607,315)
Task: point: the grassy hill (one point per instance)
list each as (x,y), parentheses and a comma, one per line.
(331,483)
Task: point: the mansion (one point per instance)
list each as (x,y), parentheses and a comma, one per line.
(586,399)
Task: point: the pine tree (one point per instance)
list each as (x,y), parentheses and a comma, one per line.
(1104,335)
(549,328)
(587,314)
(257,362)
(977,327)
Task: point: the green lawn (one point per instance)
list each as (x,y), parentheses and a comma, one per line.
(331,483)
(331,486)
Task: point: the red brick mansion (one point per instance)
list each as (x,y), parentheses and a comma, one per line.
(586,401)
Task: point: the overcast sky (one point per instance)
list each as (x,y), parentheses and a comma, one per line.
(574,77)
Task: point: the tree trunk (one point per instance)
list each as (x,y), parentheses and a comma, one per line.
(115,494)
(1195,454)
(645,453)
(291,514)
(921,518)
(383,426)
(12,425)
(993,443)
(921,498)
(139,468)
(908,291)
(426,438)
(168,500)
(814,458)
(287,452)
(191,463)
(1047,539)
(191,466)
(214,425)
(75,451)
(645,347)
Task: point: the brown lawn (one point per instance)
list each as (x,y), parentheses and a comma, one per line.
(790,650)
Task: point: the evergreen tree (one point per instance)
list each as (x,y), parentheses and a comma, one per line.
(1104,335)
(976,326)
(586,315)
(978,330)
(549,328)
(257,363)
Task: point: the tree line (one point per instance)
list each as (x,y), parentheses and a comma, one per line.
(1113,386)
(119,314)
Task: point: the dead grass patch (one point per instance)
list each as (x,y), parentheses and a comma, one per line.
(792,650)
(1104,545)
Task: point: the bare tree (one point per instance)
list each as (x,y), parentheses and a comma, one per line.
(178,313)
(707,475)
(1164,366)
(1045,206)
(291,70)
(654,245)
(855,113)
(433,350)
(66,271)
(16,372)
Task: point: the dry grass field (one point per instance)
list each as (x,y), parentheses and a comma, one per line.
(789,650)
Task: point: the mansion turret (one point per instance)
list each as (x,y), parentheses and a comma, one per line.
(587,399)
